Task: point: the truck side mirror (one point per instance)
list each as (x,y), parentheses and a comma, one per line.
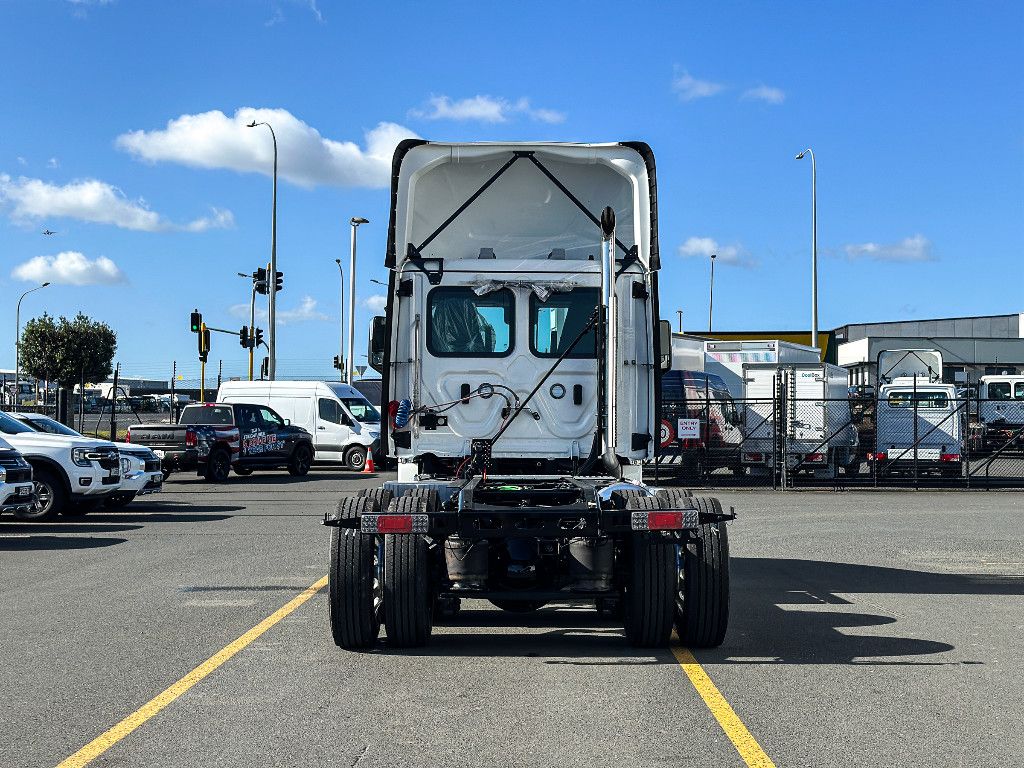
(664,345)
(378,329)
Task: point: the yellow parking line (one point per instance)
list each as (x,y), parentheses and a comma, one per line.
(734,728)
(151,708)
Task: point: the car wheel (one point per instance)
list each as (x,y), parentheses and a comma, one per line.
(166,473)
(355,458)
(243,471)
(301,460)
(51,497)
(218,465)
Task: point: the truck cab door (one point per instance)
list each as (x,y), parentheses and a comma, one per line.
(250,429)
(278,440)
(333,430)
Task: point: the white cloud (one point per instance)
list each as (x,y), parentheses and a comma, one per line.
(484,109)
(53,162)
(214,140)
(69,268)
(306,310)
(915,248)
(95,201)
(765,93)
(376,303)
(703,247)
(22,160)
(689,88)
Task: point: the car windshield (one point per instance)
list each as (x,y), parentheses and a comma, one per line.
(924,399)
(361,410)
(11,426)
(206,414)
(46,424)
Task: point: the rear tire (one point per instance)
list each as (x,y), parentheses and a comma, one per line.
(354,588)
(381,496)
(355,458)
(675,498)
(650,593)
(218,465)
(408,608)
(301,460)
(243,471)
(702,598)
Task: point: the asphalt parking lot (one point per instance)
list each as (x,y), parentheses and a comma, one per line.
(868,629)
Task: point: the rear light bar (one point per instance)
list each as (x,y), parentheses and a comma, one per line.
(394,523)
(190,438)
(754,458)
(880,456)
(949,457)
(665,520)
(814,458)
(128,435)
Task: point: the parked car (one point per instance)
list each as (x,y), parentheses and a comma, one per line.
(344,425)
(214,438)
(141,473)
(16,491)
(71,475)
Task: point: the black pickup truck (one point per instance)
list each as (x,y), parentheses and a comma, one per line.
(214,438)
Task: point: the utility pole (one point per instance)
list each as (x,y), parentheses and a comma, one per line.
(814,245)
(341,319)
(711,297)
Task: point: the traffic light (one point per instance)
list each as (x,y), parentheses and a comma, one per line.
(204,342)
(278,281)
(243,336)
(257,339)
(197,320)
(337,362)
(259,280)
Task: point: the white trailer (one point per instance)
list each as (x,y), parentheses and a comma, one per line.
(728,358)
(806,405)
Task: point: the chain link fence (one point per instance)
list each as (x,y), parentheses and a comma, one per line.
(909,439)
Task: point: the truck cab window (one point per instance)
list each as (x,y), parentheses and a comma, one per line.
(999,390)
(556,322)
(270,419)
(330,410)
(462,324)
(1018,390)
(362,410)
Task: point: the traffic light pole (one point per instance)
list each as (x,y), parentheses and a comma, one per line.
(252,329)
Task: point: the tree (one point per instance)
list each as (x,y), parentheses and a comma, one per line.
(65,350)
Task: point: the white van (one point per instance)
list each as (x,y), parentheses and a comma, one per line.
(344,425)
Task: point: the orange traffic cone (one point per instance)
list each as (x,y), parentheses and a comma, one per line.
(368,468)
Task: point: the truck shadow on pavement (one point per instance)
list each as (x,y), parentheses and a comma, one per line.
(42,543)
(791,612)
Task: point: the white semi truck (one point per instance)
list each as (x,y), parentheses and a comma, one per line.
(520,355)
(800,410)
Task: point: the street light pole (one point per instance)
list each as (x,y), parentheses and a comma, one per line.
(272,277)
(711,296)
(680,313)
(17,346)
(355,221)
(814,245)
(341,320)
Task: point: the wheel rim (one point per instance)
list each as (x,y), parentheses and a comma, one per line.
(44,498)
(356,459)
(221,466)
(302,460)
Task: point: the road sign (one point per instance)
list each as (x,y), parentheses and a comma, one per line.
(689,429)
(360,370)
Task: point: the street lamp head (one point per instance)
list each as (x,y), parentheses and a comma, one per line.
(357,220)
(714,256)
(44,284)
(801,155)
(338,262)
(253,124)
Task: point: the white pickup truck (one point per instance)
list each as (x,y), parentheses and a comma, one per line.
(141,474)
(70,474)
(15,482)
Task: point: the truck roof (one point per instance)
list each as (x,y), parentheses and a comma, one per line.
(444,202)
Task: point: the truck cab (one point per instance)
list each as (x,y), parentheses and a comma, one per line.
(520,355)
(1001,410)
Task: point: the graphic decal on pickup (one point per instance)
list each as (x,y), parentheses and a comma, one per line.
(259,441)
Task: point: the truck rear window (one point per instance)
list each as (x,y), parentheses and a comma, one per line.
(555,323)
(462,324)
(206,414)
(924,400)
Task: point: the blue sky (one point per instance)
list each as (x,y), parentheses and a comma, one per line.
(122,132)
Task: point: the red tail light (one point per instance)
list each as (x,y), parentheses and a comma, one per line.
(949,457)
(756,458)
(664,521)
(394,524)
(877,456)
(190,438)
(815,458)
(128,435)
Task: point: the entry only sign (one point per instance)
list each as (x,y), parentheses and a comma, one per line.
(688,429)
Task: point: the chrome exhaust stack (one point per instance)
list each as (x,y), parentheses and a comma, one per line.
(608,304)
